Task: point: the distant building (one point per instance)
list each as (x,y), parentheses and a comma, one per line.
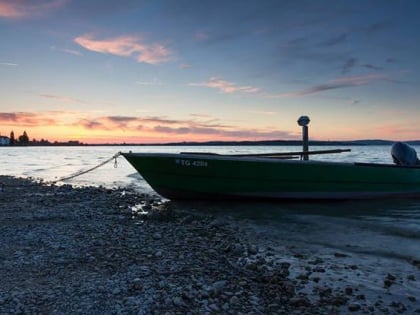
(4,140)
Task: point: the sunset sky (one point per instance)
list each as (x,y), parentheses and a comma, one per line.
(103,71)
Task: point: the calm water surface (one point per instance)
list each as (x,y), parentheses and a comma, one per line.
(383,234)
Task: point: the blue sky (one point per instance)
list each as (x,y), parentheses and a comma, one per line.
(162,71)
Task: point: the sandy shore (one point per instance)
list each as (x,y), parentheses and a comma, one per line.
(92,250)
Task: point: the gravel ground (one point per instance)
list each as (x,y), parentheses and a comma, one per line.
(91,250)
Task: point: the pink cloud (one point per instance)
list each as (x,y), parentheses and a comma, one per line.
(185,66)
(26,8)
(226,86)
(26,119)
(126,46)
(10,10)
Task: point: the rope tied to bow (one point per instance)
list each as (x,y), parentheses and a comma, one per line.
(82,172)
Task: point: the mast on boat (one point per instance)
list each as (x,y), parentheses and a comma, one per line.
(304,121)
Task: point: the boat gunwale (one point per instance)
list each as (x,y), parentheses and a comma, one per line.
(264,159)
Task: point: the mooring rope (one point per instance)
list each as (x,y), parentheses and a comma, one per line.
(114,157)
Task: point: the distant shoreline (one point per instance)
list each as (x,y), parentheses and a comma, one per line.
(235,143)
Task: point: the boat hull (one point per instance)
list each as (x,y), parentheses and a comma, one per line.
(189,176)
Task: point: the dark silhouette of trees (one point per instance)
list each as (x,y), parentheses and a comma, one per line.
(24,139)
(12,138)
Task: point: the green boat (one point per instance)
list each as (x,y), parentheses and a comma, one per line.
(272,176)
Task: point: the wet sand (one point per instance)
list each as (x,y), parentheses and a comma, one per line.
(91,250)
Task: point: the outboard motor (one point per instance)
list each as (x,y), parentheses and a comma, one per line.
(404,155)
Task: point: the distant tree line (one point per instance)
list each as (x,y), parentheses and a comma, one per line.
(23,140)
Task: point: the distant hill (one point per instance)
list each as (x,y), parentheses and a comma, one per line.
(265,143)
(294,142)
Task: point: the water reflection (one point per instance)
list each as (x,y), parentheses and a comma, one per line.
(262,210)
(385,228)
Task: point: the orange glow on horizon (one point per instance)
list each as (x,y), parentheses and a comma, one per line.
(65,134)
(71,126)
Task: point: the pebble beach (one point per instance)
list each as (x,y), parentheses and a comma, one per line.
(95,250)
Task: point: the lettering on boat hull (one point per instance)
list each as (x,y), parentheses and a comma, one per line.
(191,163)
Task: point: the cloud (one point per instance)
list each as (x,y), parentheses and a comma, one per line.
(335,40)
(122,122)
(67,51)
(200,36)
(26,119)
(125,122)
(185,66)
(261,112)
(372,67)
(91,124)
(191,130)
(226,86)
(8,64)
(159,120)
(9,117)
(378,26)
(154,82)
(178,130)
(64,99)
(201,115)
(260,134)
(27,8)
(348,65)
(237,133)
(307,49)
(122,119)
(126,46)
(345,82)
(339,83)
(72,52)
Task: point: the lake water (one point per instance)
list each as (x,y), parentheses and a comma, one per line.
(383,236)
